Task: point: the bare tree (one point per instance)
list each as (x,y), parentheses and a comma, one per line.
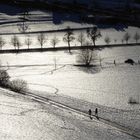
(122,41)
(69,37)
(23,27)
(115,41)
(28,42)
(2,42)
(54,41)
(41,39)
(126,37)
(86,56)
(81,39)
(15,42)
(18,44)
(107,40)
(100,60)
(93,34)
(136,37)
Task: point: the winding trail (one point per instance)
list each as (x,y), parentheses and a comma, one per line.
(44,85)
(42,73)
(118,127)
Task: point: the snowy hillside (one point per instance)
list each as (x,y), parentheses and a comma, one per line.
(107,85)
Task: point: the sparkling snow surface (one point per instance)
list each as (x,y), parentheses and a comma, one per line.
(53,74)
(24,119)
(110,86)
(46,21)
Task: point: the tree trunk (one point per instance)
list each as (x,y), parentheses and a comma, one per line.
(69,47)
(93,44)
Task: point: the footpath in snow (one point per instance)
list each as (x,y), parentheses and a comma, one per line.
(24,119)
(129,119)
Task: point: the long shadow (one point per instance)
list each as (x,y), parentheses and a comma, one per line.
(93,69)
(10,9)
(63,16)
(117,27)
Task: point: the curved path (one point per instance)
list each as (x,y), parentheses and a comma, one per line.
(99,119)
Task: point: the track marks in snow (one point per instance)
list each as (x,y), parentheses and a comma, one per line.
(56,89)
(50,72)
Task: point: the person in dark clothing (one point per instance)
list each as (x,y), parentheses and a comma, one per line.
(114,62)
(89,112)
(96,112)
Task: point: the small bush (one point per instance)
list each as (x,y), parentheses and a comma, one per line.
(4,78)
(132,101)
(18,85)
(130,61)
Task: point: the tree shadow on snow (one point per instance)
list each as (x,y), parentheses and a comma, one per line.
(93,69)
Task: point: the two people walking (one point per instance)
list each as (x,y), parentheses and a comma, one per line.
(96,113)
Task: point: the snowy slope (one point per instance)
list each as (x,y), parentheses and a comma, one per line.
(25,119)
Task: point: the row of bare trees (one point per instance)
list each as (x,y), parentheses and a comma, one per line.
(16,43)
(126,38)
(91,34)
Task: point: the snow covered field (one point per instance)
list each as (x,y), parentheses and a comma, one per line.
(24,119)
(53,74)
(109,86)
(38,21)
(116,36)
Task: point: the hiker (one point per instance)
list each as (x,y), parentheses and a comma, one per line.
(90,113)
(96,112)
(114,62)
